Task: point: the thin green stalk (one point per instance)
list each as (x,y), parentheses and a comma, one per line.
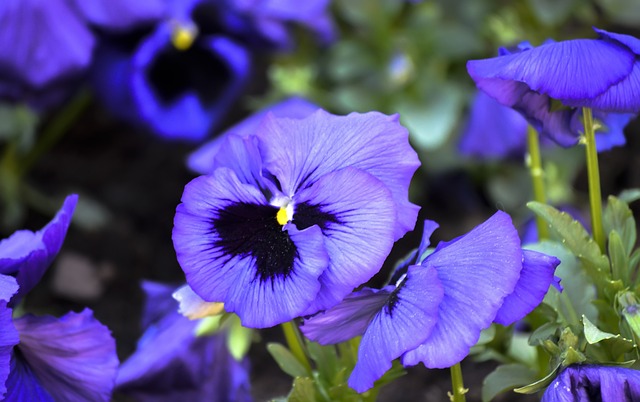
(294,340)
(593,173)
(57,127)
(537,178)
(459,390)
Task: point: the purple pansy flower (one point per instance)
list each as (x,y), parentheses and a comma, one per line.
(584,383)
(180,79)
(202,159)
(27,255)
(294,217)
(171,363)
(442,301)
(45,44)
(603,74)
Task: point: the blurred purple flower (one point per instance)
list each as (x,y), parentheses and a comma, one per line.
(45,45)
(202,159)
(27,255)
(266,22)
(585,383)
(295,216)
(437,309)
(171,363)
(493,131)
(603,74)
(178,79)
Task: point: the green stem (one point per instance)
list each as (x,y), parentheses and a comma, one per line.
(56,129)
(593,173)
(537,178)
(456,383)
(294,340)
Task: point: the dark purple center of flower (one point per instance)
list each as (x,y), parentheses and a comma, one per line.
(252,230)
(198,70)
(393,299)
(307,215)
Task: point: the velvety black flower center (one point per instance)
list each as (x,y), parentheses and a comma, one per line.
(307,215)
(197,69)
(207,16)
(249,230)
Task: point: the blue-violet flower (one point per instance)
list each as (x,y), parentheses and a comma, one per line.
(603,74)
(585,383)
(442,301)
(296,216)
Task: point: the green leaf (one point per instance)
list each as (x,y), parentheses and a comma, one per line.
(326,359)
(629,195)
(576,239)
(504,378)
(303,390)
(625,12)
(593,334)
(540,384)
(619,258)
(286,360)
(208,325)
(542,333)
(618,217)
(522,351)
(551,12)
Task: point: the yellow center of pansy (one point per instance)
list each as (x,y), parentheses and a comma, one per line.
(183,36)
(285,214)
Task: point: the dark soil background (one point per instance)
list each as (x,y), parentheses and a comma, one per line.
(139,179)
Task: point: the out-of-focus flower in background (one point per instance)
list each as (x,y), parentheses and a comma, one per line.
(174,363)
(46,46)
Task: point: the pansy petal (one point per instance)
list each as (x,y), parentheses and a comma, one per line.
(8,334)
(623,97)
(493,130)
(15,249)
(348,319)
(590,382)
(23,384)
(428,228)
(193,306)
(573,69)
(356,214)
(611,134)
(52,235)
(182,110)
(535,278)
(201,160)
(402,324)
(42,41)
(207,202)
(120,15)
(629,41)
(262,302)
(299,152)
(73,357)
(241,155)
(477,271)
(158,302)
